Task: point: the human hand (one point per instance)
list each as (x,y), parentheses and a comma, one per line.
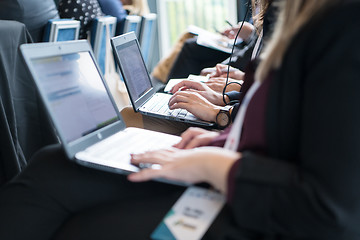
(194,103)
(245,33)
(200,88)
(208,71)
(222,71)
(218,84)
(216,71)
(195,137)
(206,164)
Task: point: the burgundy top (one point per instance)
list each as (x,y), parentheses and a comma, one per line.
(253,131)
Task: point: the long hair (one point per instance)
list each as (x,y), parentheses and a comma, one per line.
(259,8)
(294,14)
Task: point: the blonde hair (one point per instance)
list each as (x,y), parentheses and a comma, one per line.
(293,16)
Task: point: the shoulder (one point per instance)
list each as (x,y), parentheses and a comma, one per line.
(32,12)
(113,7)
(334,20)
(327,35)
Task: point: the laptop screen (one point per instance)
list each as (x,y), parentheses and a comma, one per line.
(133,68)
(78,99)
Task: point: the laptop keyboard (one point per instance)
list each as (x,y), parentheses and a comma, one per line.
(119,146)
(159,104)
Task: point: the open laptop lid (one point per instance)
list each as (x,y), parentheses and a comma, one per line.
(133,69)
(74,92)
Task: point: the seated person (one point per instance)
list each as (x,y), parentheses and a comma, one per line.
(264,24)
(82,10)
(187,57)
(263,21)
(206,100)
(34,14)
(201,100)
(193,57)
(282,175)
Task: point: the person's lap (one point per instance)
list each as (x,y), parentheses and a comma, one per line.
(52,189)
(127,219)
(138,221)
(59,199)
(193,58)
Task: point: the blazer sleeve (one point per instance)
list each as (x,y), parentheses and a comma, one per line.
(316,192)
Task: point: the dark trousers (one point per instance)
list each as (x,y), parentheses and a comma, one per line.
(54,198)
(193,58)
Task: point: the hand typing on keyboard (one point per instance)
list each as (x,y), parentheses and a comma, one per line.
(205,164)
(194,103)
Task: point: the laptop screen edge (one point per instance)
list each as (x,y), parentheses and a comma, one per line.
(31,51)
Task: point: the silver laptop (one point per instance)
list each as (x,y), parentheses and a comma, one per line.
(83,112)
(143,95)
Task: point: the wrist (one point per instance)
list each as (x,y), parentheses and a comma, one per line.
(214,113)
(217,169)
(227,99)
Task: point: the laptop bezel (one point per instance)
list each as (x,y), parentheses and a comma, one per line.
(43,50)
(120,41)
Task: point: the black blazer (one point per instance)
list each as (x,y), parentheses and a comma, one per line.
(307,186)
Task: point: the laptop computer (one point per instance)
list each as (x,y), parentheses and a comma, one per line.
(82,109)
(143,95)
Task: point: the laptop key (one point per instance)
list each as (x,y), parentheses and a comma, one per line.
(175,112)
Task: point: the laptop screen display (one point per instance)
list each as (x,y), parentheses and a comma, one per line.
(77,96)
(134,69)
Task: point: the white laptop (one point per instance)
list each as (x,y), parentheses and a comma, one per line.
(84,114)
(143,95)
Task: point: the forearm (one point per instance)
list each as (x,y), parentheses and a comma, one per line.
(216,168)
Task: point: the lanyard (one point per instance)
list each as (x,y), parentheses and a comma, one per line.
(257,47)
